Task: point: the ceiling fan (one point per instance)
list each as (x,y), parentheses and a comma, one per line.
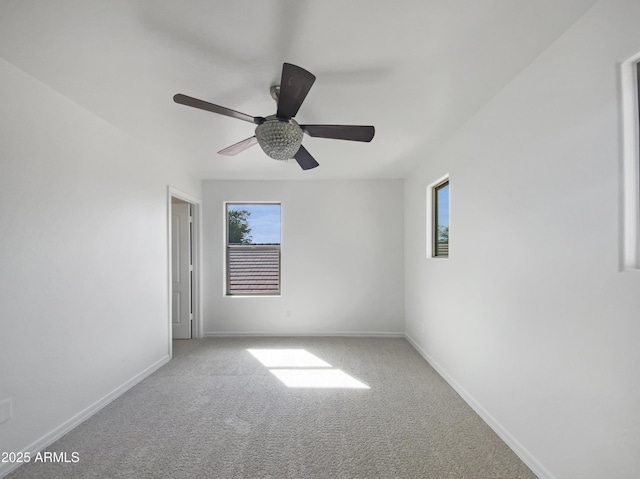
(279,135)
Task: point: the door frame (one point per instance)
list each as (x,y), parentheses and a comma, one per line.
(196,205)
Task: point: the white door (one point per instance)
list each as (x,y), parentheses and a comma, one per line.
(181,270)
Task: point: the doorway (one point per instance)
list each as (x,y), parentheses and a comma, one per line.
(184,266)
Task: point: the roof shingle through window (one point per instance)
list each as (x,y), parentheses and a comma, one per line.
(254,270)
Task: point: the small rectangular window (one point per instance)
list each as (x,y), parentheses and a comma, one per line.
(437,218)
(253,249)
(638,91)
(441,220)
(630,108)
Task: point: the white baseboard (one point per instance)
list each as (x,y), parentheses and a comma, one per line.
(65,427)
(526,457)
(303,334)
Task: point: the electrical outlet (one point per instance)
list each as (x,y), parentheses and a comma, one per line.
(6,410)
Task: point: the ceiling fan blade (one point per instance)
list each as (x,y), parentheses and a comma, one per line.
(204,105)
(304,159)
(239,147)
(294,86)
(340,132)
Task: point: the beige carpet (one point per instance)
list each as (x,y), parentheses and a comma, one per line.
(216,411)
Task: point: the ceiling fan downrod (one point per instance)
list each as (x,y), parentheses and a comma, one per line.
(275,92)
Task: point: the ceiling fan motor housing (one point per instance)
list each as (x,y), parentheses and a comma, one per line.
(279,139)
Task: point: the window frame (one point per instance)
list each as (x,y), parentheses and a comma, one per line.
(278,247)
(432,217)
(436,223)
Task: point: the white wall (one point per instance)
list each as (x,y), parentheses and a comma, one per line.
(83,267)
(341,259)
(531,318)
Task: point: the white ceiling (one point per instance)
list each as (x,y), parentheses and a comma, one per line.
(416,70)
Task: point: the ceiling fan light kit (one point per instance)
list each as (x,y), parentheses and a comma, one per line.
(279,139)
(279,135)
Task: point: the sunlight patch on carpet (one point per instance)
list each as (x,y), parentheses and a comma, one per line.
(317,378)
(298,368)
(288,358)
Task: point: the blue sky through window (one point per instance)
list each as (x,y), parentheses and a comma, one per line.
(264,221)
(443,206)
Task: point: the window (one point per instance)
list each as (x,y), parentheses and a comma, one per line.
(630,107)
(441,219)
(252,249)
(438,219)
